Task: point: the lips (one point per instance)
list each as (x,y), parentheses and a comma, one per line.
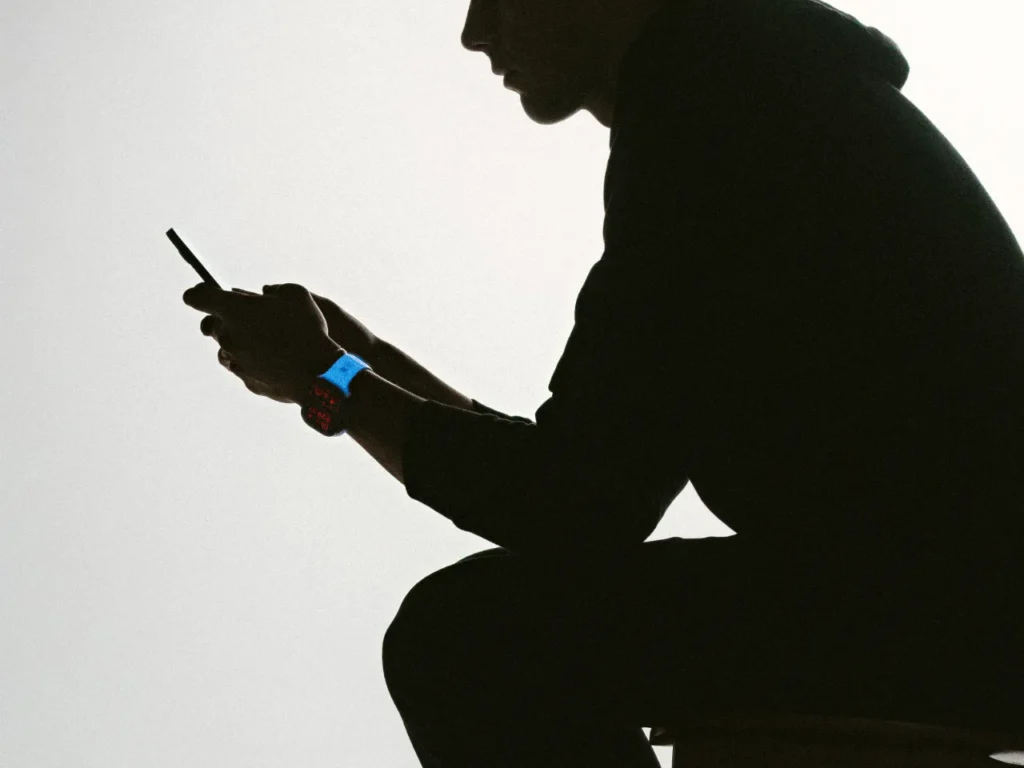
(513,83)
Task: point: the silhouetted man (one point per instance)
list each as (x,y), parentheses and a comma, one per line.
(808,307)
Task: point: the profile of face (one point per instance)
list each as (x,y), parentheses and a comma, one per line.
(563,55)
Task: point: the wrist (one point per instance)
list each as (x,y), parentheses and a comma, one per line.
(325,403)
(322,356)
(326,355)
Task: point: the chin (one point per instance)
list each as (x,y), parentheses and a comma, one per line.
(545,111)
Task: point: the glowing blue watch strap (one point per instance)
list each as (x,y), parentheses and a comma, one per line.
(345,369)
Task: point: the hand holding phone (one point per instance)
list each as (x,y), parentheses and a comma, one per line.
(253,385)
(343,327)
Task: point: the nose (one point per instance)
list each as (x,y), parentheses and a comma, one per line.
(478,31)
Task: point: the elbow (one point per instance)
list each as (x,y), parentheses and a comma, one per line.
(609,526)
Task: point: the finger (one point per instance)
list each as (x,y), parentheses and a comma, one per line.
(230,362)
(210,326)
(211,299)
(227,344)
(259,388)
(284,290)
(214,328)
(244,292)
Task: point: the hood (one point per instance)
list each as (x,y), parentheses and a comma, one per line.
(683,38)
(825,33)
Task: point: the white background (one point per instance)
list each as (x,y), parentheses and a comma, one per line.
(189,575)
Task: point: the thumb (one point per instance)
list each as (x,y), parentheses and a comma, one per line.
(287,291)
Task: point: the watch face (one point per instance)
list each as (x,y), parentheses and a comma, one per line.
(323,420)
(326,393)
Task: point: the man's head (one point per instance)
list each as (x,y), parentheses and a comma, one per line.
(564,55)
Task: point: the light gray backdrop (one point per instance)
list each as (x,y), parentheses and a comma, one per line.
(190,576)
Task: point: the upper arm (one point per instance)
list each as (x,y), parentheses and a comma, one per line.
(479,407)
(674,322)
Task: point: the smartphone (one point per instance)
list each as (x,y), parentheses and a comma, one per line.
(187,255)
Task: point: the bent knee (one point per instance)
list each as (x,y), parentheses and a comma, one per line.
(484,553)
(431,610)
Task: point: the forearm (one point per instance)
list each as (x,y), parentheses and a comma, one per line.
(381,406)
(377,416)
(393,364)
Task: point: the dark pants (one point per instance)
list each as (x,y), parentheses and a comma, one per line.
(501,660)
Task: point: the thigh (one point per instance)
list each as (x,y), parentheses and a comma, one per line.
(638,636)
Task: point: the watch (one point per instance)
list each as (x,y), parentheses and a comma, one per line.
(327,395)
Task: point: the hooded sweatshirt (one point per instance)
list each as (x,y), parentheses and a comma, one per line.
(807,306)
